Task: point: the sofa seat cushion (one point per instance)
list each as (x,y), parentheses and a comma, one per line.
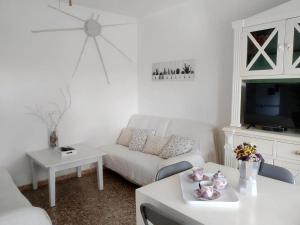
(135,166)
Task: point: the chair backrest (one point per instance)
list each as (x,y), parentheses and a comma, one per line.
(156,217)
(173,169)
(277,173)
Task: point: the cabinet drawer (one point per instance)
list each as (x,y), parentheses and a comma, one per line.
(288,151)
(297,179)
(294,168)
(265,147)
(268,160)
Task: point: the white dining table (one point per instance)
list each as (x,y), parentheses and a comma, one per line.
(277,203)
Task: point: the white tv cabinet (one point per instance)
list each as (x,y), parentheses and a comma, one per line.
(266,47)
(277,148)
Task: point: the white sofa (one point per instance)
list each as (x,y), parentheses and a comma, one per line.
(15,209)
(141,168)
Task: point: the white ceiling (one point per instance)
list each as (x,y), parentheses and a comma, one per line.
(135,8)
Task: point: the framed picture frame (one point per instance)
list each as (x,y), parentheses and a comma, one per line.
(174,70)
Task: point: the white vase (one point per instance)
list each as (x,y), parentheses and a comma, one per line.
(248,173)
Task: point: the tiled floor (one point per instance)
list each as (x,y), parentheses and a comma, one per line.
(78,201)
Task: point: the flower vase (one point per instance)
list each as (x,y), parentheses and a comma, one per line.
(53,139)
(248,173)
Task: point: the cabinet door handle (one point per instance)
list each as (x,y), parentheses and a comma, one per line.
(281,47)
(297,153)
(288,46)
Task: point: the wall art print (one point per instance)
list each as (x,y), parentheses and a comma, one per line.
(174,70)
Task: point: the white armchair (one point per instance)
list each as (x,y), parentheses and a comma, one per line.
(15,208)
(25,216)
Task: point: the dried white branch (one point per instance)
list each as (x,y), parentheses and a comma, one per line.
(52,118)
(35,113)
(57,106)
(67,105)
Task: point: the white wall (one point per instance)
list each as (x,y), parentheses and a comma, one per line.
(34,66)
(198,29)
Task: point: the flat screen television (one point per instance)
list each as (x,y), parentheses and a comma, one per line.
(272,105)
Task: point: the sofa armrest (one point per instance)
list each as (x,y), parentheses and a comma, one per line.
(194,158)
(25,216)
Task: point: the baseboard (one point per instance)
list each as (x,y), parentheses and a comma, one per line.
(43,183)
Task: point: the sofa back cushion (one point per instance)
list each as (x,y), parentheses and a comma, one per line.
(154,144)
(125,137)
(201,133)
(139,138)
(159,124)
(177,145)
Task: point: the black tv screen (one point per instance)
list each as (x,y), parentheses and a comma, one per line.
(273,104)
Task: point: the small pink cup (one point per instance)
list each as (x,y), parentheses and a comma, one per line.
(198,174)
(206,189)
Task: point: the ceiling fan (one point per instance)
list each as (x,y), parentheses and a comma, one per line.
(93,30)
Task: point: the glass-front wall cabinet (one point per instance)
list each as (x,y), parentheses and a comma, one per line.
(263,49)
(292,58)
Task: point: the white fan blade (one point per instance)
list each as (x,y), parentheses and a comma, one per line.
(115,47)
(101,59)
(68,14)
(80,56)
(56,30)
(117,24)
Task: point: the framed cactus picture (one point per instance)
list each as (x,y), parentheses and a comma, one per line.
(174,70)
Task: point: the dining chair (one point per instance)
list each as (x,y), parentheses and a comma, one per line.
(173,169)
(276,172)
(156,216)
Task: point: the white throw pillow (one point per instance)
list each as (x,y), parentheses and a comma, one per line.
(177,145)
(154,144)
(125,137)
(139,138)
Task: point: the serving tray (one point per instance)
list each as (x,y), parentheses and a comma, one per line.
(229,197)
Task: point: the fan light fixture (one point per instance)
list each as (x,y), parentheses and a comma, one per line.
(93,29)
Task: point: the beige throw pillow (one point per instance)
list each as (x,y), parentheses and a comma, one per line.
(125,137)
(177,145)
(154,144)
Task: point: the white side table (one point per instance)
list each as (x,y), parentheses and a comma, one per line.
(52,161)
